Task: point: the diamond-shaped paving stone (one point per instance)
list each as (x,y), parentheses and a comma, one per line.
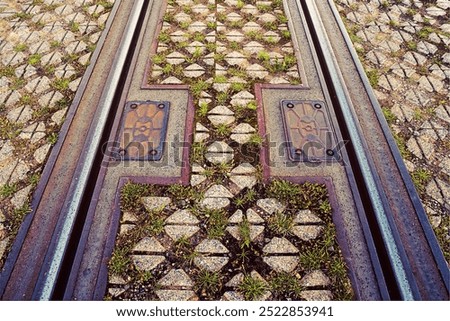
(219,147)
(257,71)
(221,110)
(251,26)
(211,263)
(178,231)
(307,217)
(182,217)
(149,244)
(270,205)
(193,71)
(221,119)
(253,217)
(253,47)
(233,17)
(307,232)
(129,217)
(233,296)
(316,295)
(176,295)
(255,231)
(243,181)
(237,217)
(218,191)
(176,278)
(271,37)
(235,36)
(211,246)
(279,245)
(244,168)
(235,58)
(281,263)
(267,18)
(200,9)
(153,203)
(196,46)
(314,279)
(200,128)
(197,179)
(215,203)
(235,280)
(175,58)
(147,262)
(197,26)
(182,18)
(179,36)
(243,128)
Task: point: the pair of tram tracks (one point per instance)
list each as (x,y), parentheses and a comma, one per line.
(404,252)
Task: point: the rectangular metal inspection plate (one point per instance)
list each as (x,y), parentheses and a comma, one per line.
(143,130)
(308,131)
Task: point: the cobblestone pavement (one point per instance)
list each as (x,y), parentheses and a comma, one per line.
(45,47)
(405,48)
(226,236)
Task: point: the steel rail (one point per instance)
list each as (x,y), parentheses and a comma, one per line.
(47,280)
(414,197)
(396,254)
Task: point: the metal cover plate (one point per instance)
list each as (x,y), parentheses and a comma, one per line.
(143,130)
(308,131)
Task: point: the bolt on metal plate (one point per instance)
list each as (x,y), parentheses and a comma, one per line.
(308,131)
(143,131)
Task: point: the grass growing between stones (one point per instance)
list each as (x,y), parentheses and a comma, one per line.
(245,252)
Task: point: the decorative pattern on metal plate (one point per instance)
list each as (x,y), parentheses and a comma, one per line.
(143,130)
(308,131)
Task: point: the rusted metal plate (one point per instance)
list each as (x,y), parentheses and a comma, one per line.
(143,130)
(308,131)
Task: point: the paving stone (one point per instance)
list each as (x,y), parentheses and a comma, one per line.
(129,217)
(249,9)
(253,47)
(182,217)
(267,18)
(317,295)
(236,280)
(19,199)
(237,217)
(233,17)
(176,278)
(153,203)
(257,71)
(178,231)
(171,81)
(270,205)
(219,147)
(147,262)
(117,279)
(193,71)
(41,153)
(307,232)
(281,264)
(58,117)
(243,169)
(197,179)
(243,128)
(251,26)
(255,231)
(233,296)
(221,119)
(176,295)
(307,217)
(426,48)
(221,110)
(4,245)
(435,11)
(182,18)
(235,58)
(126,228)
(253,217)
(279,245)
(211,263)
(215,203)
(218,191)
(315,278)
(20,114)
(211,246)
(149,244)
(219,158)
(244,181)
